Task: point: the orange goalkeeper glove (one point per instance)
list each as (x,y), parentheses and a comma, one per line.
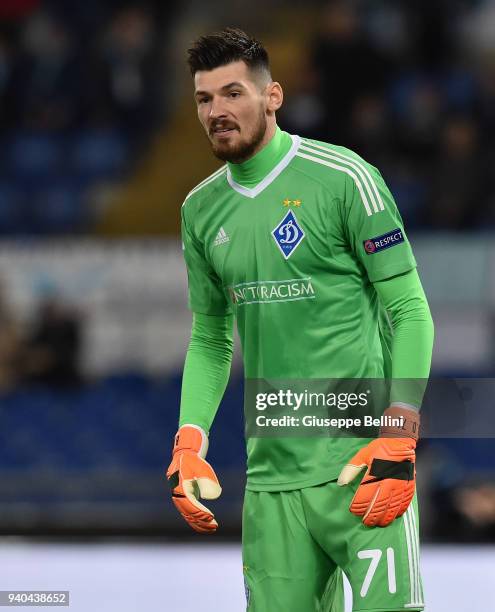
(191,477)
(388,485)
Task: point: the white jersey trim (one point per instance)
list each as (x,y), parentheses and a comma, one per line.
(360,168)
(412,542)
(354,177)
(206,181)
(270,177)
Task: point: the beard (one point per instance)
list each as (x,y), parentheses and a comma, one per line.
(243,150)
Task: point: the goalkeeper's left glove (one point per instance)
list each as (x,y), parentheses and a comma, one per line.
(388,485)
(191,477)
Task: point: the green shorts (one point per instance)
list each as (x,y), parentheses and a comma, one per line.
(297,543)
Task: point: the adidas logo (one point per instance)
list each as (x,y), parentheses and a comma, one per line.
(221,238)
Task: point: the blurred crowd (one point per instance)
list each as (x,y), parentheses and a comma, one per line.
(411,87)
(43,351)
(80,65)
(80,94)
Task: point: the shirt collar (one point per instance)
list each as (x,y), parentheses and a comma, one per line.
(254,170)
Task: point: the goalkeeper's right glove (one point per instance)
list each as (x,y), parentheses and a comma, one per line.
(191,477)
(388,485)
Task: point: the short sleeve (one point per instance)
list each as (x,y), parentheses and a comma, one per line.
(374,226)
(206,294)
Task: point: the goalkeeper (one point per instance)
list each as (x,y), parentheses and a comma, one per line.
(302,244)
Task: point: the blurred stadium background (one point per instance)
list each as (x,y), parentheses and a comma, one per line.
(99,146)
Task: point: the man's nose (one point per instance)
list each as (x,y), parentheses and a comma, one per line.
(217,109)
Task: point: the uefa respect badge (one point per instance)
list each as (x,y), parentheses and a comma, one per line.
(385,241)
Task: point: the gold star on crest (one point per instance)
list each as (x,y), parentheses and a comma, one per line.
(286,202)
(297,202)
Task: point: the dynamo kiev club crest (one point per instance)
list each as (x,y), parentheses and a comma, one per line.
(288,234)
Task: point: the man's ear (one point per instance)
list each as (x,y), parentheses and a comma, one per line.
(274,96)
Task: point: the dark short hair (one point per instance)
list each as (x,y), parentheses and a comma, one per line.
(228,45)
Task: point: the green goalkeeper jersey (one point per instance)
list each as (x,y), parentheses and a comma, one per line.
(291,242)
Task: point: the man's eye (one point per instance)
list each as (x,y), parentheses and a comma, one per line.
(202,100)
(234,94)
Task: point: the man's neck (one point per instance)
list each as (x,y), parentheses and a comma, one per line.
(252,171)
